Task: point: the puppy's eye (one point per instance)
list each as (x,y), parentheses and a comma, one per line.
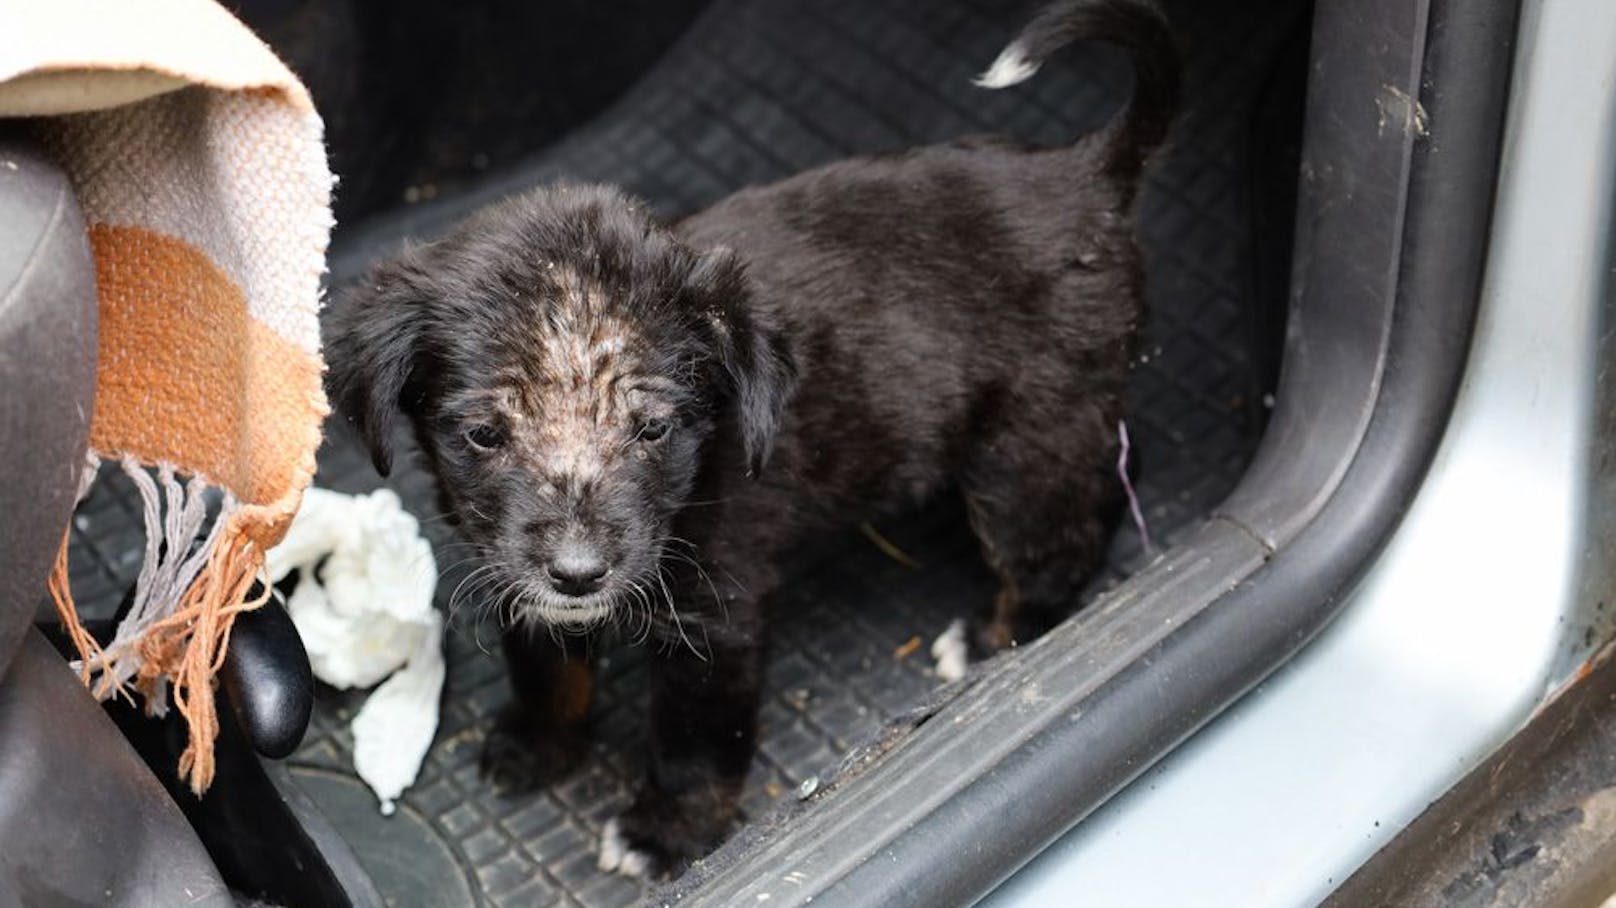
(653,430)
(485,437)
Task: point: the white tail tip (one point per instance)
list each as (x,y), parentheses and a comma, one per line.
(1011,67)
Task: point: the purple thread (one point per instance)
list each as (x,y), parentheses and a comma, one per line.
(1127,486)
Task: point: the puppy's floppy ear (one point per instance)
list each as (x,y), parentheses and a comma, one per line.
(756,357)
(371,339)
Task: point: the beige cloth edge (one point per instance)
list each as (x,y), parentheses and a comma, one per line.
(68,91)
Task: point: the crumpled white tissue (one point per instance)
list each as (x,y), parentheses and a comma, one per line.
(368,615)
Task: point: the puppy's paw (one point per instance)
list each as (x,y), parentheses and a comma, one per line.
(660,836)
(520,755)
(620,855)
(950,652)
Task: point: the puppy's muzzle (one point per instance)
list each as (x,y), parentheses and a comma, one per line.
(578,569)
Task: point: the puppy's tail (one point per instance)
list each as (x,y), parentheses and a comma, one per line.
(1136,26)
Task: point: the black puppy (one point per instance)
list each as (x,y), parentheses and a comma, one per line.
(632,420)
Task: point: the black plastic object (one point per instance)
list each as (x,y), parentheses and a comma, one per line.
(266,837)
(268,840)
(267,677)
(1390,247)
(82,821)
(47,372)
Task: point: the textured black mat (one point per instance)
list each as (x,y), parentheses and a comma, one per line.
(756,91)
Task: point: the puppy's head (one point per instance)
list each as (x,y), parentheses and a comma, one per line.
(567,365)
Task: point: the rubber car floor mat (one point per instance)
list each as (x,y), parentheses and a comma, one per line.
(753,92)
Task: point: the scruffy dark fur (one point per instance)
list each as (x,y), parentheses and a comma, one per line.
(632,420)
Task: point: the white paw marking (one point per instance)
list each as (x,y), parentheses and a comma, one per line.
(617,856)
(949,651)
(1011,67)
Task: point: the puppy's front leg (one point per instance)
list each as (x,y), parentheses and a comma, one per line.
(540,735)
(704,702)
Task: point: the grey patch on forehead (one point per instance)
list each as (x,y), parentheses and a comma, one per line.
(574,393)
(583,338)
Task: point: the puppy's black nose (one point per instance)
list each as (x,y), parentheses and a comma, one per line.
(577,572)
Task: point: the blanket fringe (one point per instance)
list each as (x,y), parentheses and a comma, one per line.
(62,595)
(187,597)
(189,646)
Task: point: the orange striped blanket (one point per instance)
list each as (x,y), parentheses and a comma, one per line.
(198,159)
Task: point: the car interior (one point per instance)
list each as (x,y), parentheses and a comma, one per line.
(1252,395)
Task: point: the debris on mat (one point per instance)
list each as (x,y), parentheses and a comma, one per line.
(949,652)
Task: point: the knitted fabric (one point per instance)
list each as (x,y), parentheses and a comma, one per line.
(197,158)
